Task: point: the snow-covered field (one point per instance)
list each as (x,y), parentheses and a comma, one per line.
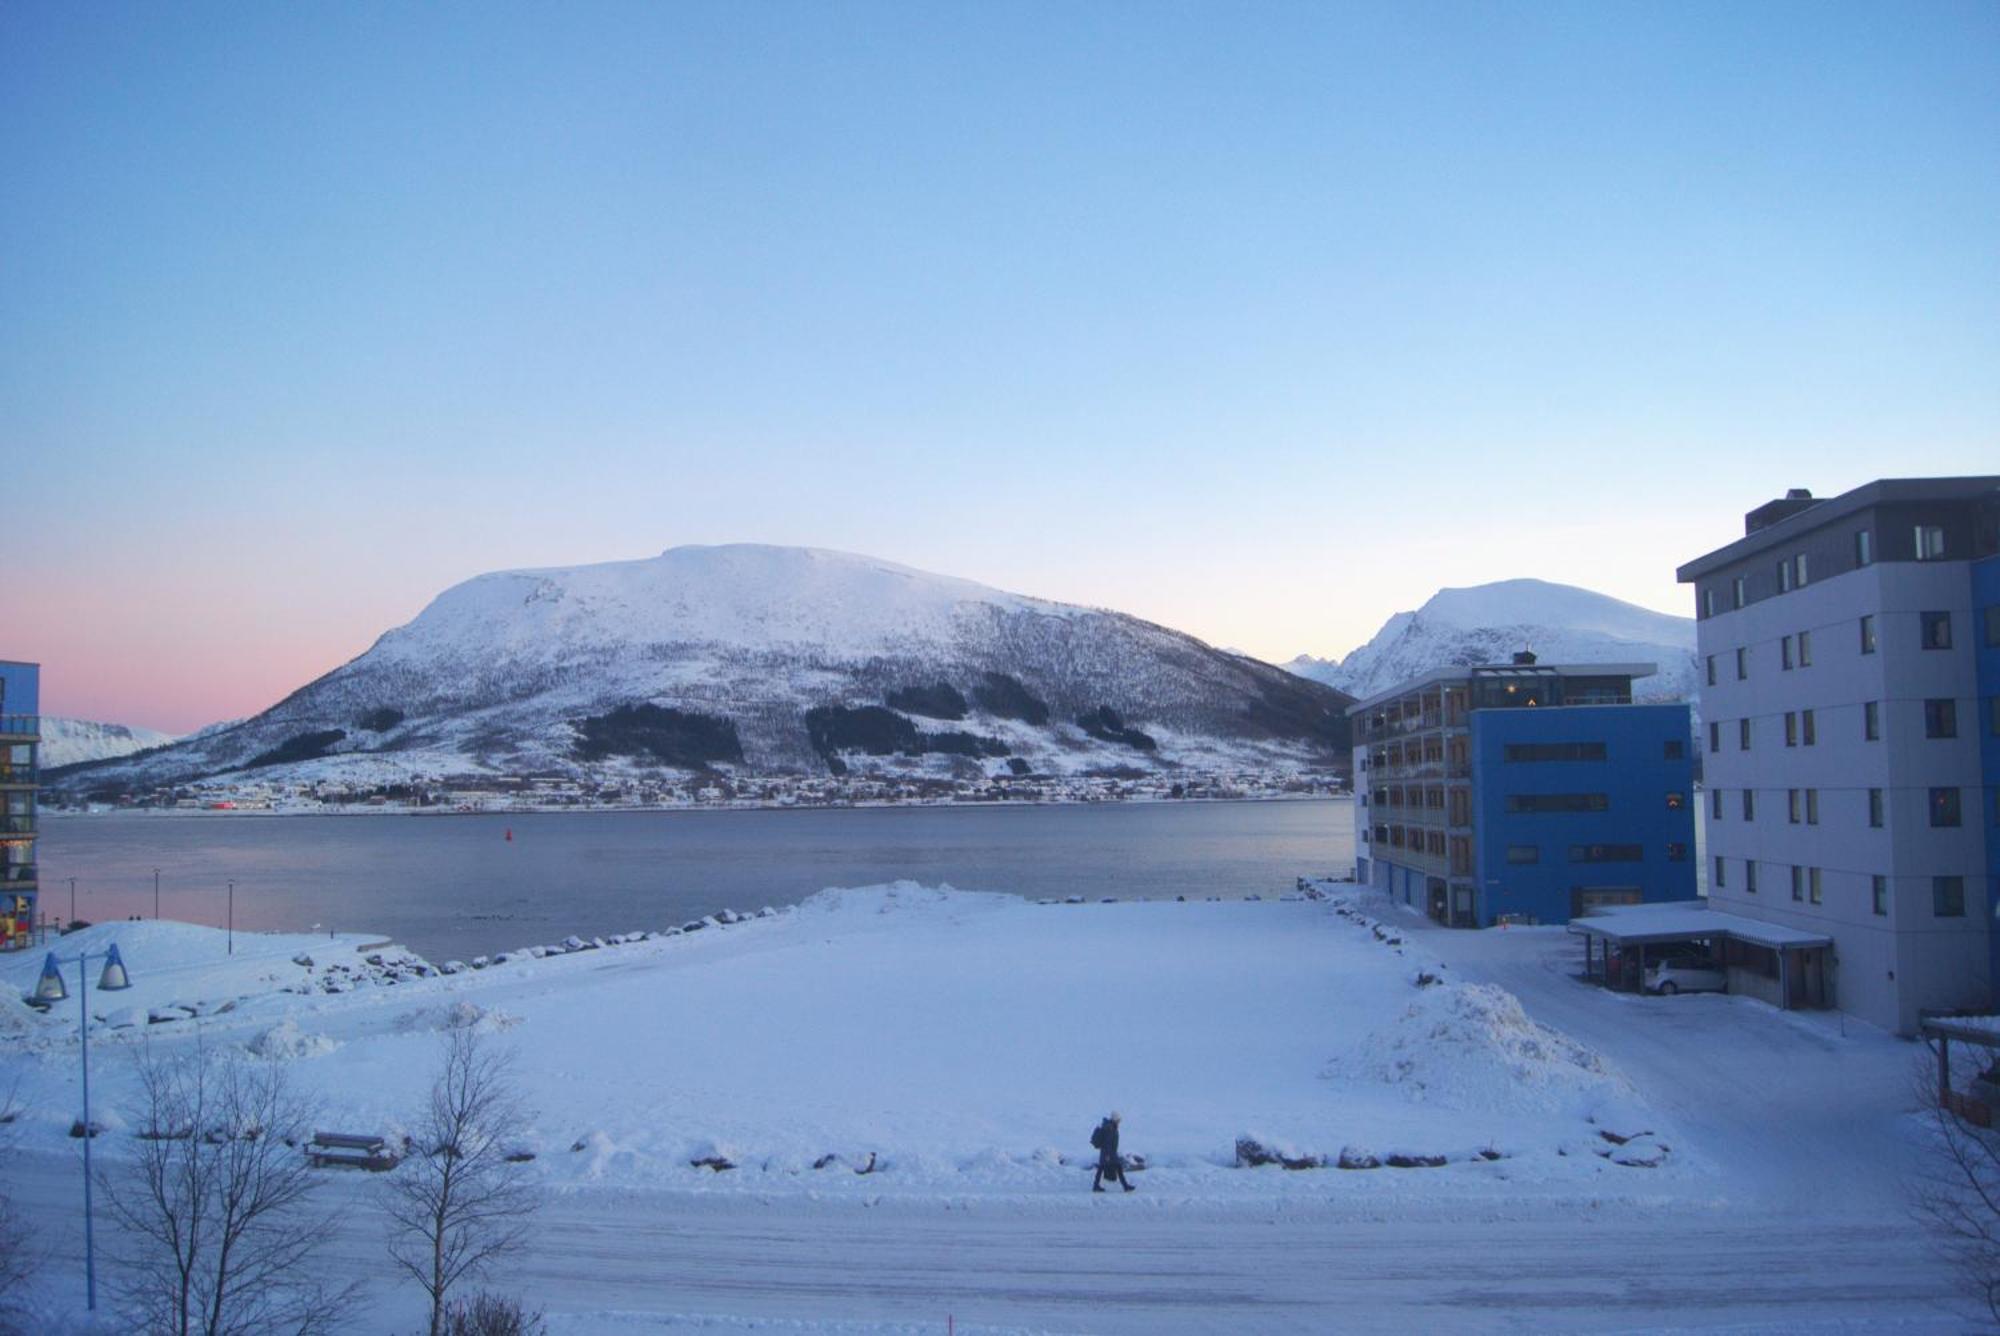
(968,1042)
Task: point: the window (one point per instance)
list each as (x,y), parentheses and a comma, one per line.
(1930,542)
(1785,653)
(1812,807)
(1944,807)
(1736,592)
(1743,735)
(1714,736)
(1721,876)
(1937,630)
(1941,718)
(1711,670)
(1807,733)
(1798,882)
(1785,576)
(1800,580)
(1558,802)
(1792,806)
(1676,800)
(1948,897)
(1524,853)
(1805,649)
(1992,617)
(1812,885)
(1875,808)
(1864,548)
(1871,721)
(1677,853)
(1791,729)
(1868,635)
(1750,876)
(1708,602)
(1715,804)
(1742,662)
(1554,751)
(1749,804)
(1674,750)
(1606,853)
(1879,893)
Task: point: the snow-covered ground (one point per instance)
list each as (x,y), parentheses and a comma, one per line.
(968,1043)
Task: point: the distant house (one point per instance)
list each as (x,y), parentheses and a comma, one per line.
(1524,791)
(20,740)
(1850,651)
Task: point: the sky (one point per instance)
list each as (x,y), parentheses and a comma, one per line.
(1263,321)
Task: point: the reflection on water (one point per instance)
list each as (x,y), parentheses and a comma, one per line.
(456,885)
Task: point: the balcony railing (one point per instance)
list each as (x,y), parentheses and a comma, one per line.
(20,725)
(17,874)
(17,825)
(17,774)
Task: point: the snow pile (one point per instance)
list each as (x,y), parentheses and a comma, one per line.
(1472,1047)
(286,1041)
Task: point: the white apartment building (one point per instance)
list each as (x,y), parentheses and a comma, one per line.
(1851,735)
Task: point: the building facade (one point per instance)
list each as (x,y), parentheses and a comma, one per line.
(1523,791)
(1850,650)
(20,741)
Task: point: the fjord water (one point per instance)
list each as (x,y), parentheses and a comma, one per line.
(457,886)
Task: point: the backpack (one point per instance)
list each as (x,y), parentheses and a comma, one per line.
(1097,1137)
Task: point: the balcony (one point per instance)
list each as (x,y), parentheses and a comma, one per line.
(17,876)
(17,825)
(17,776)
(19,727)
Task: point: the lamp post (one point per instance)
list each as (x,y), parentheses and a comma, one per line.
(72,899)
(232,918)
(156,895)
(50,989)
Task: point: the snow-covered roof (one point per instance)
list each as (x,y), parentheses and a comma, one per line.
(1678,920)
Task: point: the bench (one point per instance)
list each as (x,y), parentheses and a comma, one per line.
(350,1150)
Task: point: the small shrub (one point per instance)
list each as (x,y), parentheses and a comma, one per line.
(485,1314)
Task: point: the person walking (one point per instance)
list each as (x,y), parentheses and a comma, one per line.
(1109,1163)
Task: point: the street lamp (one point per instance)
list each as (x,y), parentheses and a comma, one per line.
(72,899)
(49,989)
(232,918)
(156,895)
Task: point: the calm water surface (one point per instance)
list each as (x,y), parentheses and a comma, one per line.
(456,886)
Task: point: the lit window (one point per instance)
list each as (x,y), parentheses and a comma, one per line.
(1800,582)
(1867,635)
(1676,801)
(1944,807)
(1864,548)
(1785,576)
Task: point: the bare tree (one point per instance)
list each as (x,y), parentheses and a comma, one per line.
(218,1230)
(18,1258)
(1956,1194)
(457,1203)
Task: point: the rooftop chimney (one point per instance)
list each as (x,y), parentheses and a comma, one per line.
(1524,659)
(1764,516)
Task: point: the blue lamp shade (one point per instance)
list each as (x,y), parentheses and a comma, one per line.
(114,976)
(49,988)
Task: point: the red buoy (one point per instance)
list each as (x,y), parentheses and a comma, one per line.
(510,834)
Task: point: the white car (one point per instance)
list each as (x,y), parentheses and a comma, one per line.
(1686,974)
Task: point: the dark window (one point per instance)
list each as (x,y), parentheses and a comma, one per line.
(1715,804)
(1930,542)
(1948,897)
(1721,876)
(1677,853)
(1792,806)
(1749,804)
(1785,652)
(1871,720)
(1736,591)
(1944,807)
(1941,718)
(1875,807)
(1812,807)
(1805,649)
(1558,802)
(1711,670)
(1785,576)
(1868,635)
(1554,751)
(1812,885)
(1674,749)
(1743,734)
(1791,729)
(1798,882)
(1524,853)
(1864,548)
(1879,893)
(1708,602)
(1807,733)
(1607,853)
(1992,616)
(1742,662)
(1676,800)
(1714,736)
(1937,630)
(1750,876)
(1800,582)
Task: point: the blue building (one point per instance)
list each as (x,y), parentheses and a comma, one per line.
(1525,792)
(20,739)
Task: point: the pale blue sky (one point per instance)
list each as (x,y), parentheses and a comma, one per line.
(1263,321)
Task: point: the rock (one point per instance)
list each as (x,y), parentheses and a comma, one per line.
(538,952)
(375,959)
(767,912)
(1403,1161)
(519,1155)
(581,1143)
(716,1162)
(480,962)
(867,1168)
(1072,899)
(1425,979)
(597,943)
(1251,1152)
(825,1160)
(76,1129)
(163,1015)
(572,943)
(694,925)
(1350,1158)
(452,967)
(304,960)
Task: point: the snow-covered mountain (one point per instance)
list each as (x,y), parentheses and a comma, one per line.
(71,741)
(765,659)
(1489,623)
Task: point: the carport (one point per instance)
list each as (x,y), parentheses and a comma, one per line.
(1783,966)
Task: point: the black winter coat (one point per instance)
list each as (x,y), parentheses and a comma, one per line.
(1108,1140)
